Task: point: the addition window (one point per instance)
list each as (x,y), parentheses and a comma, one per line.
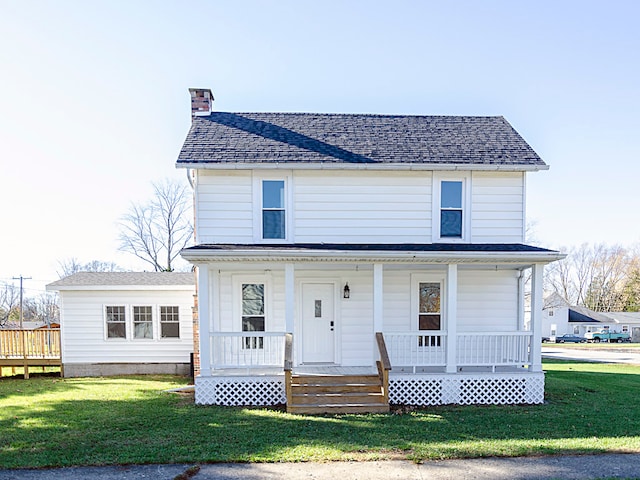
(273,210)
(429,312)
(169,322)
(142,322)
(116,321)
(451,218)
(253,315)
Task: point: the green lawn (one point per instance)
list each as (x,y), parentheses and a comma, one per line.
(50,421)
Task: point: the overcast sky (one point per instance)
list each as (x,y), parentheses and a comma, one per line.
(94,103)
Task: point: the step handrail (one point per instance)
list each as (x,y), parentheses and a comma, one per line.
(384,365)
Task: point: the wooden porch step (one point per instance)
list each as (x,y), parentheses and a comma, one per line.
(337,408)
(321,394)
(338,398)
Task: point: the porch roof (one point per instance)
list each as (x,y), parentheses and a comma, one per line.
(383,253)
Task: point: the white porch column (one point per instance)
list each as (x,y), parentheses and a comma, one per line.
(377,297)
(521,320)
(536,316)
(452,317)
(289,297)
(204,319)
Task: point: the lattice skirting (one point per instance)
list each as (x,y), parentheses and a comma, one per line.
(240,391)
(468,389)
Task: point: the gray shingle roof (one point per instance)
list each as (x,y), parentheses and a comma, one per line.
(269,138)
(131,279)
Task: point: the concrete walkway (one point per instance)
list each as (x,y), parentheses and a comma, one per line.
(521,468)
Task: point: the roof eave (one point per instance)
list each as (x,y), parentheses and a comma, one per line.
(358,166)
(338,256)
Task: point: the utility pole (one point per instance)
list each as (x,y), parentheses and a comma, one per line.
(21,278)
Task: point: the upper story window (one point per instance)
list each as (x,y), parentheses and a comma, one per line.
(451,209)
(273,210)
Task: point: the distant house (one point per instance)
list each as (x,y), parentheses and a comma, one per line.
(559,318)
(336,250)
(116,323)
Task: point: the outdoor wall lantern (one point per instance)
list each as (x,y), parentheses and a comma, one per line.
(346,293)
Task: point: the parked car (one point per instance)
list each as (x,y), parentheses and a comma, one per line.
(545,339)
(570,338)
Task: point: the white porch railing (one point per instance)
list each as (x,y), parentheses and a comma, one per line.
(494,349)
(247,349)
(482,349)
(417,349)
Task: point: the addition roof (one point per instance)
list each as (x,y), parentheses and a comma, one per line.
(272,140)
(128,280)
(585,315)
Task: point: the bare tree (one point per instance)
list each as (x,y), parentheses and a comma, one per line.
(43,308)
(599,277)
(156,232)
(72,265)
(9,302)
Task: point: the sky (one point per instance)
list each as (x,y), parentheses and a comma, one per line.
(94,101)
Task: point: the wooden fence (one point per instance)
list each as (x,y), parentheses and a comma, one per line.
(28,348)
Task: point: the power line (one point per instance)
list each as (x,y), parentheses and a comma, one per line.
(21,278)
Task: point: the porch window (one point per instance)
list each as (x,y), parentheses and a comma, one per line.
(116,321)
(142,322)
(169,322)
(451,209)
(253,313)
(429,312)
(273,209)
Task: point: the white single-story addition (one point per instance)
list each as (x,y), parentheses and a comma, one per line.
(350,261)
(115,323)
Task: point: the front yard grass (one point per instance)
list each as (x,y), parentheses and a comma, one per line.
(44,422)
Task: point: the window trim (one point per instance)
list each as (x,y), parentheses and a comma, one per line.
(237,282)
(258,179)
(106,322)
(160,337)
(438,178)
(416,280)
(133,322)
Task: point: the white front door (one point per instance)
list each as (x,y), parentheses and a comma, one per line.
(318,323)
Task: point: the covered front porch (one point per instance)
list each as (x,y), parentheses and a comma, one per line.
(436,328)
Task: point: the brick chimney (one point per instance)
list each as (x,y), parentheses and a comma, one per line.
(201,101)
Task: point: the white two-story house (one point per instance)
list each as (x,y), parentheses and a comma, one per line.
(349,261)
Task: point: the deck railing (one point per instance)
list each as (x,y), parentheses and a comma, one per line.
(247,349)
(32,344)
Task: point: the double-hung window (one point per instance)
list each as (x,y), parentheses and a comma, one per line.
(169,322)
(451,213)
(142,322)
(116,321)
(273,210)
(253,314)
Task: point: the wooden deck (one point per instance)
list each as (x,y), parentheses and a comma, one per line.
(30,348)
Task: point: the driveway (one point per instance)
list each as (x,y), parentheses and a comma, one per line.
(631,356)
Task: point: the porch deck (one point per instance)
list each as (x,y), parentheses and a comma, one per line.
(489,368)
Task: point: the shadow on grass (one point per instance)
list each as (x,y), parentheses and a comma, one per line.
(123,420)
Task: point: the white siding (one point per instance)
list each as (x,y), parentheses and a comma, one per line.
(83,328)
(487,301)
(497,207)
(358,207)
(362,207)
(224,207)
